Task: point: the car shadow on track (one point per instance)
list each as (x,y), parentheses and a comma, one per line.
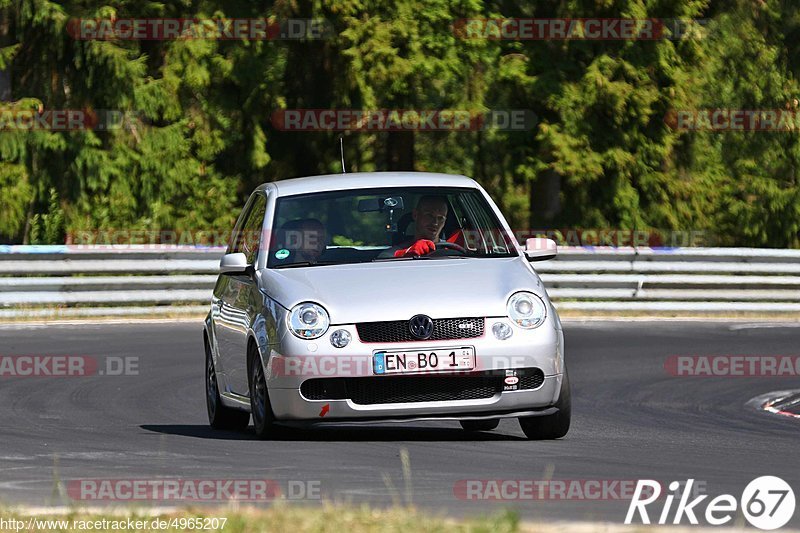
(337,433)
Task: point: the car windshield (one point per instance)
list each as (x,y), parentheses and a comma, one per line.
(355,226)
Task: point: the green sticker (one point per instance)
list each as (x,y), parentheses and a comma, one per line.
(283,253)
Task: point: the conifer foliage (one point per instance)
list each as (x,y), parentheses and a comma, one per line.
(193,131)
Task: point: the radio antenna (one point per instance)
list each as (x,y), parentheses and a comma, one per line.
(341,150)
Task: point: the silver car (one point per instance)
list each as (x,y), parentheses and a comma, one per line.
(382,296)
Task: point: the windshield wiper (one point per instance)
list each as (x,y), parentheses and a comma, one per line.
(443,257)
(467,256)
(308,263)
(382,259)
(415,257)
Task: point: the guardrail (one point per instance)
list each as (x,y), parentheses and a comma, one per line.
(141,280)
(708,280)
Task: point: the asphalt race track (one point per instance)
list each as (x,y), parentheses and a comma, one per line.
(631,420)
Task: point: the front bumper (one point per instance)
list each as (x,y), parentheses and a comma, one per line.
(292,361)
(289,404)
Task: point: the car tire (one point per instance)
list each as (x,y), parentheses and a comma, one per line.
(220,416)
(552,426)
(260,407)
(479,425)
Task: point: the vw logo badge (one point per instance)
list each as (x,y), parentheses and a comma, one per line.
(421,327)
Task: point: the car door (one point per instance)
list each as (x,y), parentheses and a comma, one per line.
(239,300)
(222,324)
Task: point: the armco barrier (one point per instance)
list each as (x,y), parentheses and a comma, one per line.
(41,281)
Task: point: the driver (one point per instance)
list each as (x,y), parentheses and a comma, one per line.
(429,217)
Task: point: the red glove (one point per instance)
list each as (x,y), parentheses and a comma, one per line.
(421,247)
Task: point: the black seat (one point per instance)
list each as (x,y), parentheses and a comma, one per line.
(399,237)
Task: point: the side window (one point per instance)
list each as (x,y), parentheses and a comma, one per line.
(235,245)
(249,237)
(485,232)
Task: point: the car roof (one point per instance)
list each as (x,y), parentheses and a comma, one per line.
(361,180)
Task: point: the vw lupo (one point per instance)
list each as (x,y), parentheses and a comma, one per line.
(381,296)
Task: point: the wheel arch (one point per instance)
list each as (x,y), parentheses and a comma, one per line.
(259,338)
(252,350)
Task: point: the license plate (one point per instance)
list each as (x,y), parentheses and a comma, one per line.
(418,361)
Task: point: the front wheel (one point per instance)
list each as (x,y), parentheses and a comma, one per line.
(263,418)
(219,416)
(552,426)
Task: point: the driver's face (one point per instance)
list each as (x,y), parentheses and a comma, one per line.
(429,220)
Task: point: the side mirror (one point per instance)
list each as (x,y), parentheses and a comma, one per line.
(540,249)
(233,263)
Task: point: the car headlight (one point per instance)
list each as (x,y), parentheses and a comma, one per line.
(308,321)
(526,310)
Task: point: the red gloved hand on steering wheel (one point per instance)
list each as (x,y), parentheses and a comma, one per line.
(421,247)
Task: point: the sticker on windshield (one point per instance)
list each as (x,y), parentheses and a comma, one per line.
(283,253)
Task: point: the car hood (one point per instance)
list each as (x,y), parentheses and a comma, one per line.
(371,292)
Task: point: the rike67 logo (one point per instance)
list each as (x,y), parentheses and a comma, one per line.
(767,502)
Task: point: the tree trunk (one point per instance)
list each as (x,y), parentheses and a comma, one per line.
(5,75)
(400,150)
(545,199)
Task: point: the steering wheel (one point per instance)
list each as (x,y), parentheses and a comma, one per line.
(451,245)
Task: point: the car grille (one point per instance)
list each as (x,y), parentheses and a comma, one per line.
(531,380)
(444,329)
(410,389)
